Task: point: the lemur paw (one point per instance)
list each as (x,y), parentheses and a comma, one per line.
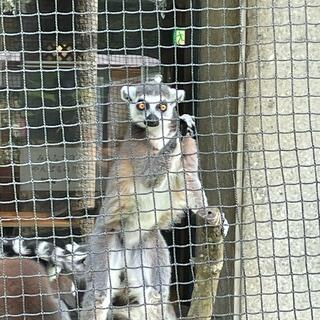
(225,225)
(154,296)
(187,125)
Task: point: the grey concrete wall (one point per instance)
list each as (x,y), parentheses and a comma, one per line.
(280,216)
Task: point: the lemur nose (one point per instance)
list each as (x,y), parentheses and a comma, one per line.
(152,120)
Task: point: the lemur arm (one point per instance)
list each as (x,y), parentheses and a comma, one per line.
(195,192)
(190,166)
(190,163)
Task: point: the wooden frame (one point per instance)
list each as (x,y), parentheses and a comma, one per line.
(36,219)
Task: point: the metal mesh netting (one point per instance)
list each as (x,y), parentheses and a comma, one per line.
(250,71)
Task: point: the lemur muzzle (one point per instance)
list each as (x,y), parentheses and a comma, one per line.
(152,120)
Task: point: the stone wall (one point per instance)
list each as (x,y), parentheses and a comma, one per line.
(280,227)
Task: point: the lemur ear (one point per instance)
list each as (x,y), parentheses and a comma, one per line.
(177,95)
(128,93)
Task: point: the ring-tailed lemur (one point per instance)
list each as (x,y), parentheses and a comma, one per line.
(71,258)
(152,181)
(26,292)
(39,268)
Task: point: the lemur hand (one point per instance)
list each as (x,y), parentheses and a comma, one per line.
(187,125)
(225,224)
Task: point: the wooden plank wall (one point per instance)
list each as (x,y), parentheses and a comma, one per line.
(216,109)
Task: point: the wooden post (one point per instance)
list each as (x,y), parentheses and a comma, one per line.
(208,265)
(86,27)
(216,109)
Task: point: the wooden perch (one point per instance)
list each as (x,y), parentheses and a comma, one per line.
(86,22)
(208,264)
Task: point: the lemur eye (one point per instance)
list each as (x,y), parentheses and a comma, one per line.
(141,105)
(163,107)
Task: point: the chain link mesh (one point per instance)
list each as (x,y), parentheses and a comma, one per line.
(250,70)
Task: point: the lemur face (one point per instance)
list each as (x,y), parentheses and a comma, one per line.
(152,104)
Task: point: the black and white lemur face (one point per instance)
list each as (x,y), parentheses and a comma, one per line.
(152,105)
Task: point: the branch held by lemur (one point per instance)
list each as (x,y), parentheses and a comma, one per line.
(208,263)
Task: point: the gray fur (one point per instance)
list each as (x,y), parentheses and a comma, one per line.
(133,93)
(153,90)
(154,169)
(147,270)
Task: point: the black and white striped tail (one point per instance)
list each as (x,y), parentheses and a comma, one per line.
(70,258)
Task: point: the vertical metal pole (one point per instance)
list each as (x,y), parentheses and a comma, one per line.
(239,171)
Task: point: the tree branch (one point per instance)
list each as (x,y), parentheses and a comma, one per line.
(208,265)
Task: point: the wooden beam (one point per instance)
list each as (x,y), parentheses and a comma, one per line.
(39,219)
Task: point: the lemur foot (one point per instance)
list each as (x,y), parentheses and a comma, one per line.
(215,218)
(187,125)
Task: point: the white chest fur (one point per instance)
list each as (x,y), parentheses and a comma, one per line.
(159,137)
(153,204)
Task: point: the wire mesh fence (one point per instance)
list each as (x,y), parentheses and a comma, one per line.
(102,209)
